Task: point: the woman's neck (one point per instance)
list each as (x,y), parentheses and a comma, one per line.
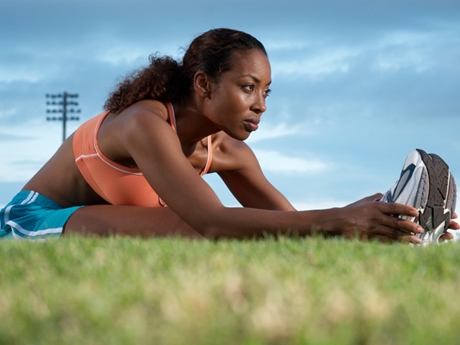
(191,125)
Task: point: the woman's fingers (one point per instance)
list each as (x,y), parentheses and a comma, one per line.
(400,235)
(393,208)
(395,236)
(406,226)
(446,236)
(390,209)
(454,225)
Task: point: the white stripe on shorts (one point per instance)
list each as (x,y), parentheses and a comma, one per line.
(26,200)
(16,226)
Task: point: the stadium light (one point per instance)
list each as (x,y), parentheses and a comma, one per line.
(65,107)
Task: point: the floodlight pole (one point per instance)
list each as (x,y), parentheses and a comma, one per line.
(64,103)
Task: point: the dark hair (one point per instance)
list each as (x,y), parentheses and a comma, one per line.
(166,80)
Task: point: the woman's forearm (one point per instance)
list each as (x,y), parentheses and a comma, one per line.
(249,222)
(366,218)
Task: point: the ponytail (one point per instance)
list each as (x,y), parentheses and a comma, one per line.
(162,80)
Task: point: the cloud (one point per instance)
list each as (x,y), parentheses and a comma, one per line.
(319,204)
(13,137)
(273,131)
(277,162)
(22,169)
(29,151)
(327,61)
(423,47)
(388,52)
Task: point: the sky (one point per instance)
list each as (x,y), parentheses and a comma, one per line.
(356,86)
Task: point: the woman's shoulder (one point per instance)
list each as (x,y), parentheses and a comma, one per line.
(229,153)
(225,143)
(146,106)
(139,125)
(140,115)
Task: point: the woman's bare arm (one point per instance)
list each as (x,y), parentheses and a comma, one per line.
(238,167)
(156,150)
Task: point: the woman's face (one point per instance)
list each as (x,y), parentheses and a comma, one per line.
(237,101)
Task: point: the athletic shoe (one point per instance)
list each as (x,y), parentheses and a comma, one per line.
(427,185)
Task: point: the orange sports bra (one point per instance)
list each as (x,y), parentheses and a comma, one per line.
(117,184)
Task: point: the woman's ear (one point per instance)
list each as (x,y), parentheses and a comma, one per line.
(202,84)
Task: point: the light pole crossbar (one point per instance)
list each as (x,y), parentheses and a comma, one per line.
(64,110)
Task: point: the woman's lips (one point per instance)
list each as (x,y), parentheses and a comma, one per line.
(251,124)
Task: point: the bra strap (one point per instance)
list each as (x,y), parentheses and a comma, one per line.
(209,160)
(172,116)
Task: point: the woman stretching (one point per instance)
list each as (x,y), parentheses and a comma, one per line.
(135,169)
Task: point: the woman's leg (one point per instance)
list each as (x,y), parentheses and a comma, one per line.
(106,220)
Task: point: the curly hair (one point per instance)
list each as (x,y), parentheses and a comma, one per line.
(167,80)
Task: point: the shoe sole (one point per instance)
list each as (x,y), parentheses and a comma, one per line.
(437,205)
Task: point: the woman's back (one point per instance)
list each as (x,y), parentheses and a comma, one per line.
(61,178)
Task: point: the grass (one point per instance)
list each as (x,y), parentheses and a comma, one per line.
(174,291)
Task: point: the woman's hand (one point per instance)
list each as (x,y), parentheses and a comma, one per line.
(370,219)
(453,226)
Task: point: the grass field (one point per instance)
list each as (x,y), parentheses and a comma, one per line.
(173,291)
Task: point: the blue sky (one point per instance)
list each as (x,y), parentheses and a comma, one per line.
(356,84)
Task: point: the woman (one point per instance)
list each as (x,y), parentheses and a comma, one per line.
(163,127)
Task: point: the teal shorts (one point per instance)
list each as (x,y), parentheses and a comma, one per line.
(32,216)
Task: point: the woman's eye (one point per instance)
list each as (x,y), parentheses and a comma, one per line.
(267,92)
(248,87)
